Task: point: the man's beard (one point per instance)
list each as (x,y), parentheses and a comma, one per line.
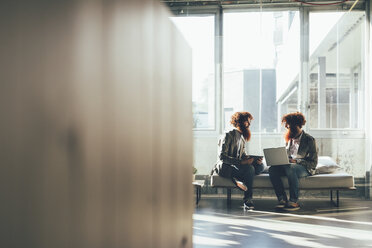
(246,134)
(290,134)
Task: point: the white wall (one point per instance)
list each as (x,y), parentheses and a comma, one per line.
(95,140)
(348,153)
(205,154)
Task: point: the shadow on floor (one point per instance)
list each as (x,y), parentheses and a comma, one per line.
(317,224)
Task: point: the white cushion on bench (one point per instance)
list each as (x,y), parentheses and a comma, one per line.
(337,180)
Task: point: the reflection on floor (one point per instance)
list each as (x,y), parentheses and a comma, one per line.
(316,225)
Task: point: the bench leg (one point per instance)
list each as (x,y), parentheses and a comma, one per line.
(337,203)
(198,194)
(228,197)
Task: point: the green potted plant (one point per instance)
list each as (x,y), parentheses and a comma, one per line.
(194,173)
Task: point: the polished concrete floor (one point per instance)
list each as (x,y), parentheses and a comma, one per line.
(318,224)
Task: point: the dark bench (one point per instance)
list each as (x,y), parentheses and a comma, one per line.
(334,182)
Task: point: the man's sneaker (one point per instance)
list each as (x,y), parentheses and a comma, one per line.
(248,204)
(240,185)
(292,206)
(281,204)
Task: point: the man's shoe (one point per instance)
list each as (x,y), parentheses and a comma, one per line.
(240,185)
(292,206)
(281,204)
(248,204)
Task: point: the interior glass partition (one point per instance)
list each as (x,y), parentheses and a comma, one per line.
(336,73)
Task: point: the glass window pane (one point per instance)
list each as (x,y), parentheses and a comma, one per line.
(289,105)
(336,69)
(199,33)
(260,49)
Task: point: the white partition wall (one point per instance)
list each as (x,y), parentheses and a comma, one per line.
(95,138)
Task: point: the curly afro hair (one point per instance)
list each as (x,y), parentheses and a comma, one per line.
(238,119)
(294,119)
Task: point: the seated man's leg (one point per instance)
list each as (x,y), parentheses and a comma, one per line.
(235,177)
(258,168)
(246,173)
(294,172)
(275,173)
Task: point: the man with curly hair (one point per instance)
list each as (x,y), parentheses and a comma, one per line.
(233,162)
(303,158)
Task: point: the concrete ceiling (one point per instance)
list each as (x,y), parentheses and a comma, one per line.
(199,4)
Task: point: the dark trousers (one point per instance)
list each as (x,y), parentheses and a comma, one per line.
(246,173)
(293,172)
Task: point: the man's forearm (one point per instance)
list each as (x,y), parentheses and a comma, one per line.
(230,160)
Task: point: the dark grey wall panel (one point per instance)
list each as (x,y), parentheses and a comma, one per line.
(251,101)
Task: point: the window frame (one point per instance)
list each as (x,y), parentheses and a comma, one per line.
(343,132)
(303,82)
(195,12)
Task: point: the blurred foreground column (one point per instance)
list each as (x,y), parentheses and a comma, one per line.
(96,126)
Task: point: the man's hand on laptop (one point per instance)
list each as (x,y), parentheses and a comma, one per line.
(247,161)
(293,161)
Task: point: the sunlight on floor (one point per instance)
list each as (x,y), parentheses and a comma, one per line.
(199,240)
(283,227)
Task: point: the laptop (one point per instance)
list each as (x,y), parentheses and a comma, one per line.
(276,156)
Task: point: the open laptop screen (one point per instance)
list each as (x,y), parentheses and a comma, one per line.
(276,156)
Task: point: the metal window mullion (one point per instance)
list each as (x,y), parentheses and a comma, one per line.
(337,79)
(364,73)
(322,107)
(303,84)
(219,71)
(368,102)
(260,89)
(353,106)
